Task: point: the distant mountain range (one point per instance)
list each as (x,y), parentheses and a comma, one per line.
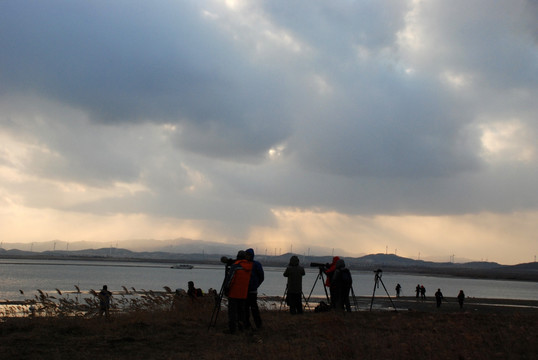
(180,245)
(177,246)
(386,262)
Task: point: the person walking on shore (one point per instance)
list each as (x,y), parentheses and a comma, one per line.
(438,297)
(398,289)
(417,291)
(461,298)
(294,272)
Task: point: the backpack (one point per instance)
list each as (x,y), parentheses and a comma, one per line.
(346,277)
(322,307)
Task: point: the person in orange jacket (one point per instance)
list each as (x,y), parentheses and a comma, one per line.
(329,272)
(236,289)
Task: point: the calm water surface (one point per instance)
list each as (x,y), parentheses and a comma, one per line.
(48,275)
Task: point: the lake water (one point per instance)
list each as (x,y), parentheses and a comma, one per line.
(48,275)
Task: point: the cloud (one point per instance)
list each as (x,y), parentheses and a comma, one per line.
(135,62)
(228,113)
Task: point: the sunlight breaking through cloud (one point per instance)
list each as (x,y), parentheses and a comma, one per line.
(507,141)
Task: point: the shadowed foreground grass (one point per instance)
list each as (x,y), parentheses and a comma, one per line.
(184,334)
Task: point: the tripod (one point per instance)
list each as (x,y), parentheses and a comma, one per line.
(218,300)
(320,276)
(284,298)
(378,274)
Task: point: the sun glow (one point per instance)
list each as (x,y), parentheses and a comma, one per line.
(507,140)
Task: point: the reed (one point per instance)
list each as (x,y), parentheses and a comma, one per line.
(153,324)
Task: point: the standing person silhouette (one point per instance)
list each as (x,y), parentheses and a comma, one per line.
(256,278)
(438,297)
(294,272)
(461,298)
(422,292)
(104,301)
(398,289)
(342,282)
(330,269)
(236,289)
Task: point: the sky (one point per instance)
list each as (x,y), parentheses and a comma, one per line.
(341,126)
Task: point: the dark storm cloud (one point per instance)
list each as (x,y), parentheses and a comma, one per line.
(489,40)
(129,61)
(335,28)
(404,129)
(377,107)
(118,61)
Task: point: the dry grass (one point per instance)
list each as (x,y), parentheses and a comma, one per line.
(156,331)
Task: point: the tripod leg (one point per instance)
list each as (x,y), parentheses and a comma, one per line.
(320,276)
(388,295)
(216,309)
(305,301)
(313,286)
(376,284)
(283,297)
(355,303)
(218,301)
(324,287)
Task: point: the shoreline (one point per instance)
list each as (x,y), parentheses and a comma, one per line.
(382,303)
(450,304)
(477,305)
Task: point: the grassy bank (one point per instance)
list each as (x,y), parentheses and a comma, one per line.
(183,334)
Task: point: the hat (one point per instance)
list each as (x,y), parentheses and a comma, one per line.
(294,260)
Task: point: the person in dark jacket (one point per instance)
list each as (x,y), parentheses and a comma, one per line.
(341,282)
(422,292)
(193,292)
(438,297)
(104,301)
(461,298)
(256,279)
(294,272)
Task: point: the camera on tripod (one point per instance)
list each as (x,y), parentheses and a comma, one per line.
(226,260)
(321,266)
(378,272)
(377,281)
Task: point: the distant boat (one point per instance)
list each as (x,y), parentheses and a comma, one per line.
(182,266)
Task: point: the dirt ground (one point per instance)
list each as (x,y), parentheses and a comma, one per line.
(484,329)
